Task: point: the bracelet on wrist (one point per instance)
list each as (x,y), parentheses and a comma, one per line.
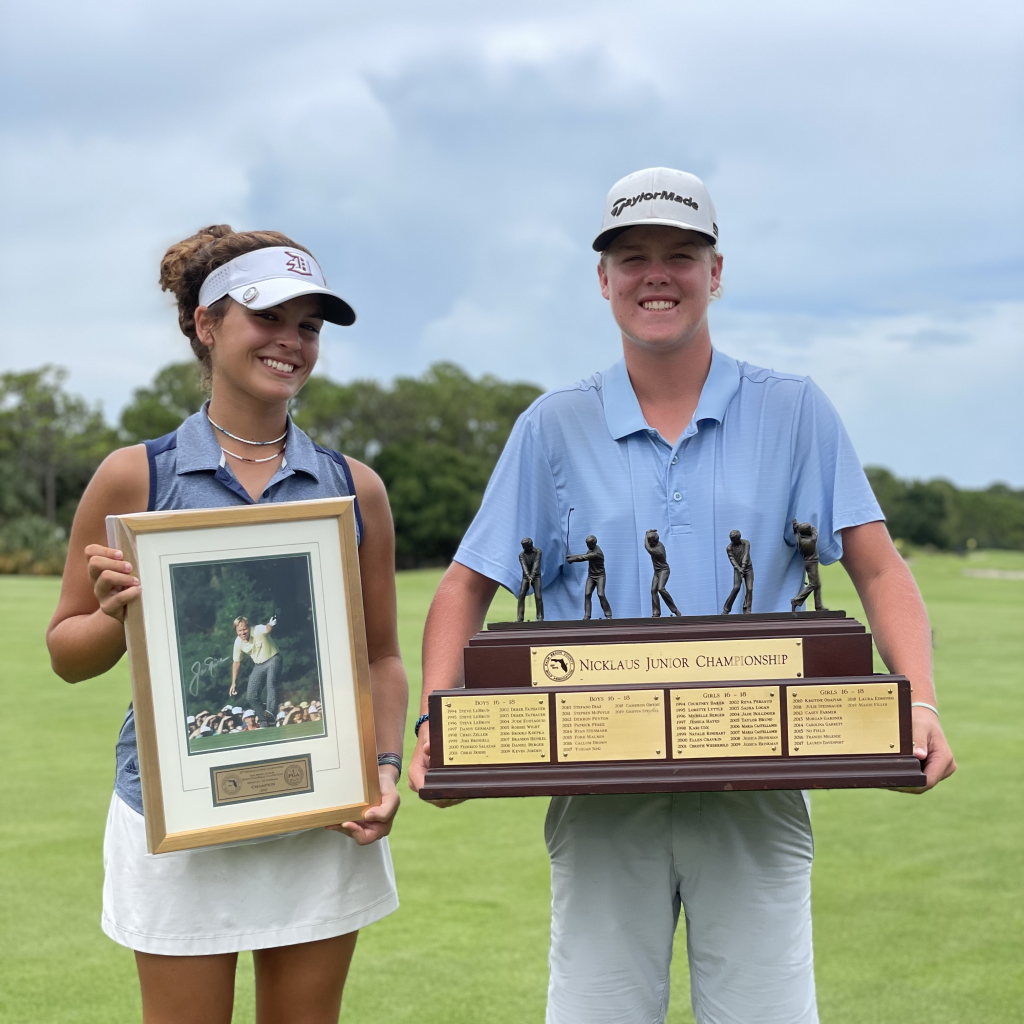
(419,722)
(922,704)
(391,758)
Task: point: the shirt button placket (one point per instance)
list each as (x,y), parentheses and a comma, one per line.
(678,507)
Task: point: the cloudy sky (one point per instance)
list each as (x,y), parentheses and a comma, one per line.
(447,163)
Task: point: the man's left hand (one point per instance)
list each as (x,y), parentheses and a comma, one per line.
(377,820)
(931,748)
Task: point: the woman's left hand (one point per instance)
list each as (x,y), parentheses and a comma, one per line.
(376,822)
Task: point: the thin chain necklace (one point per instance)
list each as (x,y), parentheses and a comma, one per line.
(235,437)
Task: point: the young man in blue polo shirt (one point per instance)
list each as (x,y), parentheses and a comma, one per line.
(680,438)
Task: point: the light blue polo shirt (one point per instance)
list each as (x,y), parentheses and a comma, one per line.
(763,448)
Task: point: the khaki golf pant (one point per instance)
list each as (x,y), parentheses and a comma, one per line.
(738,864)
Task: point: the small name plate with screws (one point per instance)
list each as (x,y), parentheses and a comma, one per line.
(260,780)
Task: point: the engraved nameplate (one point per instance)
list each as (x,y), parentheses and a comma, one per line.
(260,780)
(676,661)
(619,725)
(496,730)
(728,722)
(860,719)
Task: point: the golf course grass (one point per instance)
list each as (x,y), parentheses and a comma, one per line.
(256,738)
(918,901)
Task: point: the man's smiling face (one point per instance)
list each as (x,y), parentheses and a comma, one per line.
(659,281)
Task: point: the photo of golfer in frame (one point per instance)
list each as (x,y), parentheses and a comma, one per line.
(247,650)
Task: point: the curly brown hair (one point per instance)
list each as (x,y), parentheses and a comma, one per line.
(188,263)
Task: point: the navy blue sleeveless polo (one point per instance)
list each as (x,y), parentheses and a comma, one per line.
(187,469)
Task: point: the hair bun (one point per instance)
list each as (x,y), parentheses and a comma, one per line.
(179,255)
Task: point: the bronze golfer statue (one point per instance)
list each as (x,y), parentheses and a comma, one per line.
(529,559)
(807,541)
(594,557)
(661,573)
(738,551)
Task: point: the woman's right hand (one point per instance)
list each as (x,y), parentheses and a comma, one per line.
(112,580)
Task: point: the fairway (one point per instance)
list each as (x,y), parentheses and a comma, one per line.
(918,901)
(256,738)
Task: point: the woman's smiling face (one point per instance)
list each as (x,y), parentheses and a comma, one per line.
(266,353)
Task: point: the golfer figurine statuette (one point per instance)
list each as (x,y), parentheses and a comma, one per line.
(661,573)
(807,541)
(738,551)
(594,557)
(529,559)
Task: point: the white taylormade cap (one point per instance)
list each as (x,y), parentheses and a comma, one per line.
(267,277)
(657,195)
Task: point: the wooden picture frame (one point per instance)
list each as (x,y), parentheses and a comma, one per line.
(240,784)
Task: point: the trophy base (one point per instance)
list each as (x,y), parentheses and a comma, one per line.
(884,771)
(672,705)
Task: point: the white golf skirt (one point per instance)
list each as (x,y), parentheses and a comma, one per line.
(299,888)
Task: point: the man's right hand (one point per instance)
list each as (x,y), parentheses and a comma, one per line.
(420,762)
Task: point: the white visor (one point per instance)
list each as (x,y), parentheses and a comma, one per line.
(268,277)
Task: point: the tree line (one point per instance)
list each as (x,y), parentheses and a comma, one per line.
(434,440)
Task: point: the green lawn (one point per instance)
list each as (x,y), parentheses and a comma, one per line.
(255,738)
(918,901)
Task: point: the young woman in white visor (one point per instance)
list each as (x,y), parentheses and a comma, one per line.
(251,304)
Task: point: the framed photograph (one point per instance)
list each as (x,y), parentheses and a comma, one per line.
(250,678)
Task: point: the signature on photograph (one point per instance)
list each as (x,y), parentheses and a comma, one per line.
(197,671)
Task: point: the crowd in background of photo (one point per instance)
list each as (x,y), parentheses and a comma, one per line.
(235,719)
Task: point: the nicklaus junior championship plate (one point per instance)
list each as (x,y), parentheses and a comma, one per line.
(700,703)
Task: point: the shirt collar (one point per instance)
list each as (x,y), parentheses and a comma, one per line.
(199,449)
(622,409)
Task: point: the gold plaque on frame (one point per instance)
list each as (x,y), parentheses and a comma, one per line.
(258,780)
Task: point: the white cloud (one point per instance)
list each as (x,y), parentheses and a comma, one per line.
(940,408)
(448,164)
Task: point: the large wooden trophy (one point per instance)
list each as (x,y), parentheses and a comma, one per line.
(671,704)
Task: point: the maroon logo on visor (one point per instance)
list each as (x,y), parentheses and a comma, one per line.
(298,263)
